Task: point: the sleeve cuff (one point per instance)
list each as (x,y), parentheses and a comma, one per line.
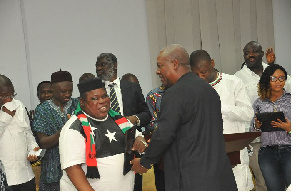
(145,162)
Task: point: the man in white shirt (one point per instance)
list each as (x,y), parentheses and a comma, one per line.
(16,140)
(250,74)
(235,108)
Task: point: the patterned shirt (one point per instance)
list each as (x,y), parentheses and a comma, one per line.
(3,183)
(283,104)
(48,119)
(153,100)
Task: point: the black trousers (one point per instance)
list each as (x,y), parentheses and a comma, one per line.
(159,178)
(27,186)
(138,181)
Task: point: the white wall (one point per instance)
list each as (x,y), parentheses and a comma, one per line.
(282,32)
(70,34)
(12,49)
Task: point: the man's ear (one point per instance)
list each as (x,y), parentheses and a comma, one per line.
(52,87)
(115,66)
(81,102)
(175,64)
(212,62)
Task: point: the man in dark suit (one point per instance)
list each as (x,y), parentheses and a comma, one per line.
(189,130)
(126,97)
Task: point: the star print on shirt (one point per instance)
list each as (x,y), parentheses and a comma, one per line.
(111,136)
(93,128)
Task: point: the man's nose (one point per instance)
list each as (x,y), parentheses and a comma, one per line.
(157,71)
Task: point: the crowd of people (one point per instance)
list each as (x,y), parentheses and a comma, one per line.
(111,134)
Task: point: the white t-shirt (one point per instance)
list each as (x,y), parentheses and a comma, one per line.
(110,165)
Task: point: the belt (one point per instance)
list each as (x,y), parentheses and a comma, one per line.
(278,147)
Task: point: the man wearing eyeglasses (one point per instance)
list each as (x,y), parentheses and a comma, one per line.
(250,74)
(16,140)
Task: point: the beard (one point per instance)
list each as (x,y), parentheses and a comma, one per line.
(108,75)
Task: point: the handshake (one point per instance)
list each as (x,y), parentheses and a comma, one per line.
(137,167)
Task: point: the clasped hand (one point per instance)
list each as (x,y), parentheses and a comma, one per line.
(137,167)
(33,158)
(139,145)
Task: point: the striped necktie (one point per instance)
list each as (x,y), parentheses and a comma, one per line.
(113,99)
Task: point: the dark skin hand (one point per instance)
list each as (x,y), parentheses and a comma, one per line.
(33,157)
(12,113)
(257,123)
(283,125)
(139,144)
(280,124)
(132,119)
(137,167)
(270,56)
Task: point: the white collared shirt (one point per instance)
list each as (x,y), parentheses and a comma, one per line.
(236,108)
(250,80)
(118,92)
(16,141)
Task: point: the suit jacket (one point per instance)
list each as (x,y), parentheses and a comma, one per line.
(190,135)
(134,102)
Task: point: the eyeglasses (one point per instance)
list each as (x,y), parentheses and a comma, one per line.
(8,96)
(274,79)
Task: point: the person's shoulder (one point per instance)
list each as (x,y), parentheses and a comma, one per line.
(232,78)
(42,106)
(258,101)
(240,72)
(73,124)
(153,91)
(287,94)
(128,84)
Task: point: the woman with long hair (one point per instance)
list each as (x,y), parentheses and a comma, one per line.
(275,153)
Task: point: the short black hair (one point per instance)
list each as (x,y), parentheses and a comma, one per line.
(86,76)
(40,84)
(198,56)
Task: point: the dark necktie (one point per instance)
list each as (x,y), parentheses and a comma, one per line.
(113,99)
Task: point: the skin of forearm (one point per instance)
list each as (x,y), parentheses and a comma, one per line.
(48,142)
(77,177)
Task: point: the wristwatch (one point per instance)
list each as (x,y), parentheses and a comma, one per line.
(145,143)
(137,120)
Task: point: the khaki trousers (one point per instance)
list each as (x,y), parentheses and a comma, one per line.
(260,184)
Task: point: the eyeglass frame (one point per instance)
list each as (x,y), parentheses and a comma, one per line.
(8,96)
(280,79)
